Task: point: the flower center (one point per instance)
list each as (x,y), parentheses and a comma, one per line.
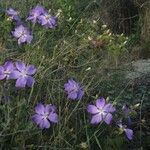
(45,116)
(101,111)
(35,14)
(23,33)
(47,17)
(75,88)
(23,74)
(7,72)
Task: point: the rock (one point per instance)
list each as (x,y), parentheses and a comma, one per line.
(139,72)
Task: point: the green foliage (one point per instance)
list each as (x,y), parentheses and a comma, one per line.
(115,44)
(68,51)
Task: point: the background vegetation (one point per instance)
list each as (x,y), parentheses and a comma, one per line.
(80,47)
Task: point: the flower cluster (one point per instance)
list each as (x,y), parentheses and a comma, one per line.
(45,114)
(37,15)
(19,71)
(101,111)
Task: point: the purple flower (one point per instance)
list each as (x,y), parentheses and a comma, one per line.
(23,75)
(101,111)
(73,89)
(44,115)
(13,15)
(47,20)
(6,70)
(128,132)
(22,34)
(35,13)
(126,112)
(125,109)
